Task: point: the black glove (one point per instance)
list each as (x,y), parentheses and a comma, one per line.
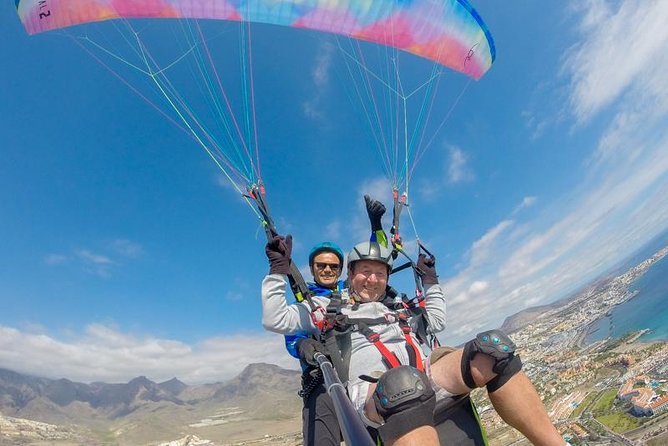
(278,252)
(427,269)
(376,210)
(307,349)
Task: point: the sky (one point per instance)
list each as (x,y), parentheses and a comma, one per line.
(125,252)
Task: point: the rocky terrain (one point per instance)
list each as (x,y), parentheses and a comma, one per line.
(261,400)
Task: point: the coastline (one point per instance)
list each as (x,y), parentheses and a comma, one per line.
(631,290)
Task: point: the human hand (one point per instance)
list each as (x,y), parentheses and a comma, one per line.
(426,266)
(279,250)
(376,210)
(307,349)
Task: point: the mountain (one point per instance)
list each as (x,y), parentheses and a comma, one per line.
(520,319)
(173,386)
(141,410)
(256,380)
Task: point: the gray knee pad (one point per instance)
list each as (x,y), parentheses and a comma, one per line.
(501,349)
(405,399)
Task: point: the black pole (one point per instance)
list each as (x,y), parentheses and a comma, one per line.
(354,431)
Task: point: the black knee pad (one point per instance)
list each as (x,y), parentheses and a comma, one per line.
(499,347)
(514,366)
(405,399)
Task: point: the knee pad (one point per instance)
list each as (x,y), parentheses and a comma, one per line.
(514,366)
(500,348)
(405,399)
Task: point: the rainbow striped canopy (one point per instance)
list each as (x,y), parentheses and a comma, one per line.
(448,32)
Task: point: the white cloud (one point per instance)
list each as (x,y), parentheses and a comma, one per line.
(378,188)
(322,65)
(224,182)
(478,287)
(100,264)
(458,169)
(103,353)
(621,201)
(570,242)
(55,259)
(234,295)
(622,49)
(94,263)
(481,250)
(89,257)
(534,124)
(127,248)
(527,202)
(312,107)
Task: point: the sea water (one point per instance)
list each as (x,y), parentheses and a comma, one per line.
(648,309)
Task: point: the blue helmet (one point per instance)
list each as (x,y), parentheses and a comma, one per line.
(325,247)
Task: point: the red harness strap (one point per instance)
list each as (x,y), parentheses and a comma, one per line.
(389,358)
(414,355)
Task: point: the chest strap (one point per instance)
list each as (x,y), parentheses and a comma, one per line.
(389,358)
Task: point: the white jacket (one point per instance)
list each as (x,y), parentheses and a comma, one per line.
(280,317)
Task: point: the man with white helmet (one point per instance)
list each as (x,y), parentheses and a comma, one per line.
(377,340)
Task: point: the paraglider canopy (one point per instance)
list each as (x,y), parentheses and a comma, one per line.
(448,32)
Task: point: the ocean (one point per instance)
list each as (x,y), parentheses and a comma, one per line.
(647,310)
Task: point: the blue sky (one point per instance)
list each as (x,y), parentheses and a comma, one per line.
(126,253)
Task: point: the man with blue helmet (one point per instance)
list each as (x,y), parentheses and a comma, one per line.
(319,423)
(326,262)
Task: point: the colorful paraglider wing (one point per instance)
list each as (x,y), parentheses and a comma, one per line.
(448,32)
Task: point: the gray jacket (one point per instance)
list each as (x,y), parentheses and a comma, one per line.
(280,317)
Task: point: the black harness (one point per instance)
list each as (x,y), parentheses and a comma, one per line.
(336,328)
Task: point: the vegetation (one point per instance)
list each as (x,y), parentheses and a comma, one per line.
(619,422)
(583,405)
(603,404)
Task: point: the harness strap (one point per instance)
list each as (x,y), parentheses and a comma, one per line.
(414,356)
(339,362)
(390,359)
(335,324)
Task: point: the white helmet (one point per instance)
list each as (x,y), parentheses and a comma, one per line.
(370,251)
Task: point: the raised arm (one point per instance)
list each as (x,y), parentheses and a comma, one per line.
(375,209)
(277,315)
(434,296)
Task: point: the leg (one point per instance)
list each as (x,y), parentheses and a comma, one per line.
(512,394)
(422,436)
(320,426)
(446,372)
(520,406)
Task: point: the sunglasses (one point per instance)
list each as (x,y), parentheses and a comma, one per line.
(320,266)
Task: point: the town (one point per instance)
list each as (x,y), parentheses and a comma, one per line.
(613,391)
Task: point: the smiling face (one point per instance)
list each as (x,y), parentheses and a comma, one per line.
(368,280)
(326,269)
